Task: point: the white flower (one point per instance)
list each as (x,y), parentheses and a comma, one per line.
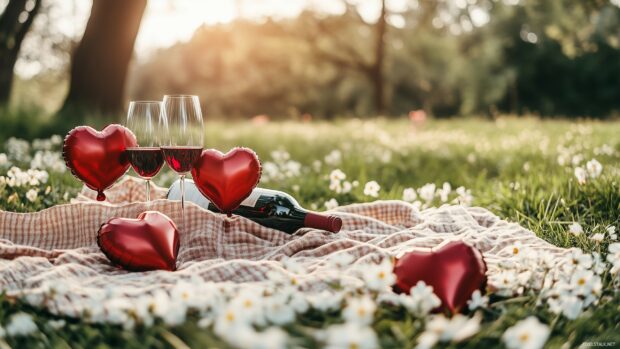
(298,302)
(56,139)
(331,204)
(515,250)
(48,160)
(280,155)
(571,306)
(379,276)
(445,190)
(57,324)
(477,300)
(372,189)
(250,304)
(334,158)
(505,282)
(575,228)
(325,300)
(346,187)
(613,257)
(582,281)
(359,310)
(337,175)
(350,335)
(578,259)
(230,321)
(594,168)
(340,260)
(611,230)
(20,324)
(598,237)
(186,293)
(32,195)
(409,195)
(159,303)
(464,196)
(277,310)
(581,175)
(18,149)
(427,192)
(421,299)
(442,329)
(526,334)
(4,160)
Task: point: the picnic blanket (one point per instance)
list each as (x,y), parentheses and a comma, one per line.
(58,244)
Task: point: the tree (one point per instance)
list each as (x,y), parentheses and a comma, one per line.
(344,54)
(15,22)
(101,60)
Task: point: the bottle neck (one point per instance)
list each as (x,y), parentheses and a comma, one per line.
(323,222)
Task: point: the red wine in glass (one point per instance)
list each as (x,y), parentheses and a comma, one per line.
(181,159)
(146,161)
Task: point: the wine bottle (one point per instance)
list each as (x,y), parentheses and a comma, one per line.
(271,208)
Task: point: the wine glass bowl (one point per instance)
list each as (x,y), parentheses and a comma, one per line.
(146,119)
(184,136)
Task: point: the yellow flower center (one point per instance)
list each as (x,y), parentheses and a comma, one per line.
(581,282)
(247,303)
(353,346)
(361,311)
(524,337)
(381,275)
(230,316)
(515,250)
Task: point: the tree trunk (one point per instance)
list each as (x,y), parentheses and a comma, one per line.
(15,22)
(101,60)
(376,70)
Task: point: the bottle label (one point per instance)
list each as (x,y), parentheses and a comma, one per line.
(251,200)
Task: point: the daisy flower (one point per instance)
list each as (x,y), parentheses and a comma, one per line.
(526,334)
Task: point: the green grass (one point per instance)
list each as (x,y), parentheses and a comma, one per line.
(511,166)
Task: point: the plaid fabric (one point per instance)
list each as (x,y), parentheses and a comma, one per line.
(57,245)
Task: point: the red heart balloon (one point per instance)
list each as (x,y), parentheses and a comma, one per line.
(454,269)
(98,158)
(227,179)
(147,243)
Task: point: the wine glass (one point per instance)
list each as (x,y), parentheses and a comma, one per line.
(184,136)
(146,120)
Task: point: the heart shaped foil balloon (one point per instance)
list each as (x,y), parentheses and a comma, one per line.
(98,158)
(148,242)
(227,179)
(454,269)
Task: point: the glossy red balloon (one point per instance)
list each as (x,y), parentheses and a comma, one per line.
(454,269)
(97,158)
(149,242)
(227,179)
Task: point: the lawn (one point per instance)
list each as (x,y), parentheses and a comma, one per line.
(556,178)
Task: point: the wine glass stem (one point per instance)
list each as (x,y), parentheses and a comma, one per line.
(148,189)
(182,182)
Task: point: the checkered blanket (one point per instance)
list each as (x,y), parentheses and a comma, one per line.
(57,245)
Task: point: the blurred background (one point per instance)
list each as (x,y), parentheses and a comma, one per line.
(66,62)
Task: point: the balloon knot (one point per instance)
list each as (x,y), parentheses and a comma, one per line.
(100,196)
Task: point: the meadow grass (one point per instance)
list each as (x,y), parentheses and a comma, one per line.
(522,169)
